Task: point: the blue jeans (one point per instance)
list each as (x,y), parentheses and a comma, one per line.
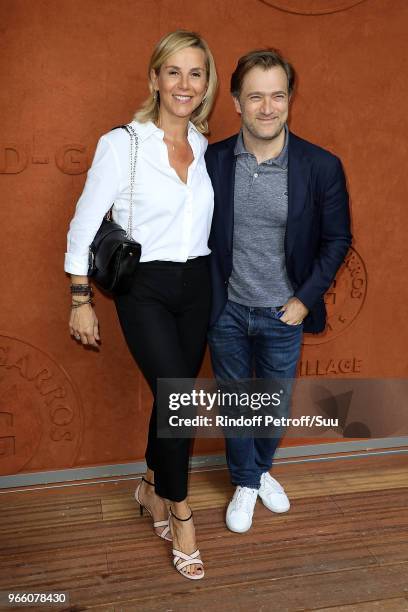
(243,341)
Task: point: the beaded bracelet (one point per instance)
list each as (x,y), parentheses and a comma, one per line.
(81,289)
(79,301)
(77,304)
(83,293)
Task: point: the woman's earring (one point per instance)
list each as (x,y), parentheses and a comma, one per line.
(155,96)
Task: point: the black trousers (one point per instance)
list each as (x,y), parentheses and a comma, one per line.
(164,319)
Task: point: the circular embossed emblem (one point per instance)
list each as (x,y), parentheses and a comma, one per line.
(40,411)
(344,299)
(312,7)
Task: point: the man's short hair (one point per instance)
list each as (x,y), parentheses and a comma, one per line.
(265,58)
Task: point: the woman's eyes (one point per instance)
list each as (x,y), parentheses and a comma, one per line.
(176,72)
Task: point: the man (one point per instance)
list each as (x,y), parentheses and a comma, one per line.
(281,230)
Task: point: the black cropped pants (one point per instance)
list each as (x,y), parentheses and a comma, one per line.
(164,319)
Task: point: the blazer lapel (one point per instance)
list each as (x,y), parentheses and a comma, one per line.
(298,190)
(227,162)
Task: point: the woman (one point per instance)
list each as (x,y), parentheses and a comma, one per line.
(165,314)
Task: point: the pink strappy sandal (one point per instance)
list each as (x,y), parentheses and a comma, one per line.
(182,560)
(165,532)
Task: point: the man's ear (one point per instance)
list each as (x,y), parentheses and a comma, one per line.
(237,105)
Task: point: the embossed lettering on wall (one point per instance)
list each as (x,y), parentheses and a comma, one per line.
(40,412)
(13,158)
(344,299)
(69,158)
(330,367)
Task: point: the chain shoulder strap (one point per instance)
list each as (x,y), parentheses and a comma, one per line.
(134,146)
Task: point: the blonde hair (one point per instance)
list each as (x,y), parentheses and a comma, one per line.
(169,44)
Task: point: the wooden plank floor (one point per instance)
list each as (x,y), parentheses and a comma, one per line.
(343,546)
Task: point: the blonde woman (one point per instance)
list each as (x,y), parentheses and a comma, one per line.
(164,316)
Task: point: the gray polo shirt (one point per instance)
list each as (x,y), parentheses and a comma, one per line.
(259,276)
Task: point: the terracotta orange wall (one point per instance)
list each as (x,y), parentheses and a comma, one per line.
(72,69)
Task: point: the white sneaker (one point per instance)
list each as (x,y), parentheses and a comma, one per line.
(241,509)
(273,494)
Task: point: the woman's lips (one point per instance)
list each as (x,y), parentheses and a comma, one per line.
(182,99)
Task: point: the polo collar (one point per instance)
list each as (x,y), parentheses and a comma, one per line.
(281,160)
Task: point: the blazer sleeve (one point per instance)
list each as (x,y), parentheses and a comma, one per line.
(335,235)
(101,188)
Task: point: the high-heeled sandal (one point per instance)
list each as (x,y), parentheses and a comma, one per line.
(182,560)
(165,533)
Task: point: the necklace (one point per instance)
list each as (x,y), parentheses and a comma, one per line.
(168,142)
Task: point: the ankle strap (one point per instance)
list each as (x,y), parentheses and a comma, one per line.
(148,481)
(178,518)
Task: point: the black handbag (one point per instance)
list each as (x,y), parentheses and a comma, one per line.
(113,254)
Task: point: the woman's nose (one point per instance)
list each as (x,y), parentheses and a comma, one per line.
(183,83)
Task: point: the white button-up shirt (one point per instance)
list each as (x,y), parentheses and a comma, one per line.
(171,219)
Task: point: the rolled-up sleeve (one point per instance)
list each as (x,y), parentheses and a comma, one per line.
(101,188)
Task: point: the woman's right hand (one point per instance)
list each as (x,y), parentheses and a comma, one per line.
(84,326)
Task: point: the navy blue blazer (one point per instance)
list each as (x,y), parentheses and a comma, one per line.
(317,234)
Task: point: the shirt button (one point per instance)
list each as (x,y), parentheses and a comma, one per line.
(256,175)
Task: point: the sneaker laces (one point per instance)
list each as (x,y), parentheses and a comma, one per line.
(245,499)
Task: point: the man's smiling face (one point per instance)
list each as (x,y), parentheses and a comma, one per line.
(264,102)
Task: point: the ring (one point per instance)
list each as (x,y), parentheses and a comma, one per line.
(77,336)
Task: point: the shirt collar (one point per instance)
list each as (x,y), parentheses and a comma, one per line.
(145,130)
(281,160)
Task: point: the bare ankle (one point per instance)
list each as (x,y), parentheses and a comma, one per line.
(149,476)
(181,510)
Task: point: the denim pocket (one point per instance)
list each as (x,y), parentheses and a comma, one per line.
(287,324)
(291,324)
